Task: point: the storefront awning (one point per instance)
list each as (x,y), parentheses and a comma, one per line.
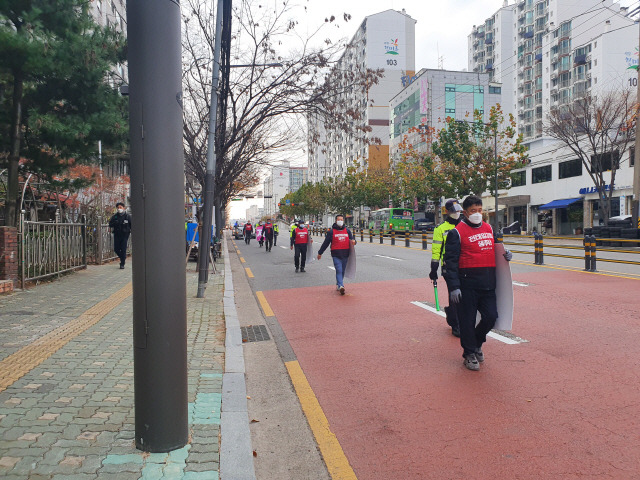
(565,202)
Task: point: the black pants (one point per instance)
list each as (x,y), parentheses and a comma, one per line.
(474,300)
(247,238)
(275,239)
(120,246)
(451,311)
(269,241)
(300,250)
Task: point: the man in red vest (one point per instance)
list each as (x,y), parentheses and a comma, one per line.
(340,238)
(299,239)
(267,234)
(247,230)
(471,278)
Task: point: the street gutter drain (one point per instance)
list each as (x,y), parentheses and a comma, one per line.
(254,333)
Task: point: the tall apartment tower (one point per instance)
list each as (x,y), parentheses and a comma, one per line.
(491,51)
(384,40)
(113,13)
(552,55)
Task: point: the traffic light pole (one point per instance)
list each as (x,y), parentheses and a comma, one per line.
(210,176)
(157,201)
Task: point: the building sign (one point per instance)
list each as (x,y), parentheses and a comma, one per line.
(424,96)
(407,80)
(594,189)
(391,47)
(623,205)
(386,42)
(631,59)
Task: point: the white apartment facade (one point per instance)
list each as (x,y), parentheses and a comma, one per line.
(490,51)
(430,97)
(113,13)
(384,40)
(282,180)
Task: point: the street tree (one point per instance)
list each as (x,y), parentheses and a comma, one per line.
(278,77)
(54,62)
(598,130)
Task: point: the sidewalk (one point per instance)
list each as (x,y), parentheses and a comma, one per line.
(66,381)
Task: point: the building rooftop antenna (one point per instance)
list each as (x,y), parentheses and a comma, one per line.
(440,59)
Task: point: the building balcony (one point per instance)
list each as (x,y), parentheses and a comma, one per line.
(538,57)
(580,60)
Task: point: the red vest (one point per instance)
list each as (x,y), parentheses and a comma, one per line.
(248,228)
(302,235)
(340,240)
(476,246)
(268,227)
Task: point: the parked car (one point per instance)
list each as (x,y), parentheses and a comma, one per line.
(237,232)
(513,229)
(423,225)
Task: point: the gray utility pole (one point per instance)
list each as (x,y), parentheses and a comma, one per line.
(635,206)
(157,200)
(495,157)
(210,176)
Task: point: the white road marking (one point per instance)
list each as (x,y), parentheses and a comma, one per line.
(282,246)
(492,334)
(520,284)
(332,268)
(390,258)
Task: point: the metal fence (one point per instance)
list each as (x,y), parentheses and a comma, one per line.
(48,249)
(51,248)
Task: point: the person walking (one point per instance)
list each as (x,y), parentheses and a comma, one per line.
(260,234)
(340,239)
(452,209)
(276,232)
(120,224)
(299,239)
(247,230)
(267,234)
(471,278)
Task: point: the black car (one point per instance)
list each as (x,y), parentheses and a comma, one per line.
(424,225)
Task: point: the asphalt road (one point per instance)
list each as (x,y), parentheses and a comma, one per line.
(561,402)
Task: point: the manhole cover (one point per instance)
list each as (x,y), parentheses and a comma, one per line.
(254,333)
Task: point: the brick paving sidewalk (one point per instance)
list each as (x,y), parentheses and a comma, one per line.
(71,415)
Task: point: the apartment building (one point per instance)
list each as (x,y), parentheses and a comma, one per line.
(283,179)
(384,40)
(113,13)
(430,97)
(491,51)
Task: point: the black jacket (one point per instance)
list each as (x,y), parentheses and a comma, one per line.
(483,278)
(120,224)
(327,242)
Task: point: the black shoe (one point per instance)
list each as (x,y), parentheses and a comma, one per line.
(121,266)
(302,269)
(455,331)
(297,269)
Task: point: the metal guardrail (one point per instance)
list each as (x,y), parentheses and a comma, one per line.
(48,249)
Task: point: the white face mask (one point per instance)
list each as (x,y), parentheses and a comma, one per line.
(475,218)
(339,223)
(121,210)
(455,215)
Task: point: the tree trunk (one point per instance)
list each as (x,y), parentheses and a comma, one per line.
(10,212)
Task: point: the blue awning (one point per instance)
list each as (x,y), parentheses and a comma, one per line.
(565,202)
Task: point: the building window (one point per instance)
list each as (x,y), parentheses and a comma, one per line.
(541,174)
(602,162)
(570,168)
(497,90)
(632,156)
(519,179)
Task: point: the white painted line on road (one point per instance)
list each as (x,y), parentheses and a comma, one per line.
(520,284)
(493,334)
(332,268)
(390,258)
(282,246)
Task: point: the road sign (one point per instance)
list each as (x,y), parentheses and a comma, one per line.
(288,202)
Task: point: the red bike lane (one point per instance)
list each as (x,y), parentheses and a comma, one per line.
(389,377)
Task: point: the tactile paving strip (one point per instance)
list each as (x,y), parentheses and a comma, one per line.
(24,360)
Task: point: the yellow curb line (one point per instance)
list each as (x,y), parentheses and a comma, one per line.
(27,358)
(265,305)
(249,274)
(334,457)
(242,260)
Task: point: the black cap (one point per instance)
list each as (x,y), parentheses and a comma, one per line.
(452,206)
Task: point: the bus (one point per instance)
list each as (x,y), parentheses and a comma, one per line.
(391,220)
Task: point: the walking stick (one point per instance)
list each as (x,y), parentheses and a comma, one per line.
(435,291)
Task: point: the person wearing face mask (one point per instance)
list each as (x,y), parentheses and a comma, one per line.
(120,224)
(300,238)
(340,238)
(453,209)
(470,274)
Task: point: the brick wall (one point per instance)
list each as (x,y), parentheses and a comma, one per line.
(9,254)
